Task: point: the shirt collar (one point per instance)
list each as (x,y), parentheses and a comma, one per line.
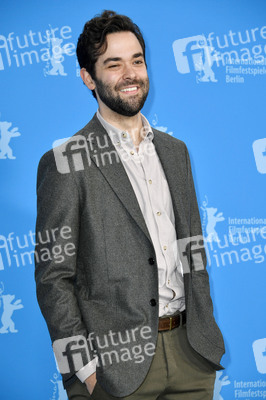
(119,136)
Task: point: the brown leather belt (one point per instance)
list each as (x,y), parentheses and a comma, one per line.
(169,323)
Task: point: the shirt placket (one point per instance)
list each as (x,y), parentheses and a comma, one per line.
(162,221)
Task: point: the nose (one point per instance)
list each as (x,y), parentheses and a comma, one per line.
(129,72)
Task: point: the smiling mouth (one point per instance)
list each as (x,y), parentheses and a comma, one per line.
(129,89)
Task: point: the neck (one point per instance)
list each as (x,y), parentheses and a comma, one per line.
(132,125)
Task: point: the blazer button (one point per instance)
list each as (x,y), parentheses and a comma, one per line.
(153,302)
(151,261)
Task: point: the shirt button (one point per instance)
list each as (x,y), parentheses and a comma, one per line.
(132,152)
(158,213)
(166,306)
(124,135)
(164,247)
(153,302)
(151,261)
(150,181)
(168,281)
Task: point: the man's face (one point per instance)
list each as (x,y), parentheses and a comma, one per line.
(122,83)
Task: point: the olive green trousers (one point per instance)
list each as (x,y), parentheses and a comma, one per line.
(177,372)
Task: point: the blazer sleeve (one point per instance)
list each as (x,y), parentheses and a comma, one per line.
(203,333)
(57,232)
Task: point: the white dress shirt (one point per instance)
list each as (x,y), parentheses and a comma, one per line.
(148,181)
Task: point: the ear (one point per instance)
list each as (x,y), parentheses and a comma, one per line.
(87,79)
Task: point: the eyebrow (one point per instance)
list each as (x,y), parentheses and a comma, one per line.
(136,55)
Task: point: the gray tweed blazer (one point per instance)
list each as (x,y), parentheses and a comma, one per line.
(104,286)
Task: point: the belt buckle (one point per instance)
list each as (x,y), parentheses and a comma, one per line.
(171,323)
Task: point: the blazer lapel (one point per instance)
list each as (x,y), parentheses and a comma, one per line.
(111,167)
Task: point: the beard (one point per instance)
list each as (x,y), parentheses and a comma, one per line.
(112,98)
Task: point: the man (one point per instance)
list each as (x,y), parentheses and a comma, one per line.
(130,296)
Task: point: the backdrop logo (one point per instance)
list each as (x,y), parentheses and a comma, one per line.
(54,64)
(210,219)
(160,128)
(59,392)
(6,134)
(27,49)
(219,383)
(259,350)
(259,150)
(193,54)
(7,309)
(244,241)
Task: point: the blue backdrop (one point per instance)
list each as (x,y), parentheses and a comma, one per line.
(206,62)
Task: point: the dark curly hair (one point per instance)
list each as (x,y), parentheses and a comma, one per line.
(92,41)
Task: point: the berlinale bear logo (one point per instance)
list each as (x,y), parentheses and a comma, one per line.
(6,136)
(8,308)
